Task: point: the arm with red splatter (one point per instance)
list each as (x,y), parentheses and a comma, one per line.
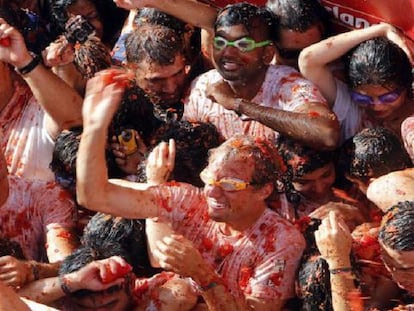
(95,276)
(311,123)
(334,242)
(94,190)
(193,12)
(61,102)
(314,60)
(18,273)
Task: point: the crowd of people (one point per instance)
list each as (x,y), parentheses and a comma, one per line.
(203,155)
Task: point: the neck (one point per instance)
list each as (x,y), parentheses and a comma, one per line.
(238,226)
(248,87)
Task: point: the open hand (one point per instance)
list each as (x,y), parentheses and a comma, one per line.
(103,95)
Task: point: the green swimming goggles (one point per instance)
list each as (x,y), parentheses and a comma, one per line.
(244,44)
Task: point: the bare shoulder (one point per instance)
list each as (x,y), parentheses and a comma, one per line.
(392,188)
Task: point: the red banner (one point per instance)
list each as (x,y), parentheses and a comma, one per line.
(351,14)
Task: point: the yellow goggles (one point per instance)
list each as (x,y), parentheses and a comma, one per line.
(226,183)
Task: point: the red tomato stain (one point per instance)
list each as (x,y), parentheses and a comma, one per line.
(64,235)
(163,203)
(50,185)
(207,244)
(225,250)
(140,290)
(245,275)
(400,192)
(314,114)
(276,278)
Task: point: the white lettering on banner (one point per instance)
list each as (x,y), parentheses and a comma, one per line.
(350,17)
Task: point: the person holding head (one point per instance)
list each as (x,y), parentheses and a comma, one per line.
(226,239)
(378,71)
(111,271)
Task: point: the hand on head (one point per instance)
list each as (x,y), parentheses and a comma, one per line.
(98,275)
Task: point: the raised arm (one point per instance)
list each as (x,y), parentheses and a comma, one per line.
(94,191)
(314,60)
(61,102)
(191,11)
(334,243)
(88,277)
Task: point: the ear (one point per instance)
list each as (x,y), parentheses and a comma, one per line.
(265,191)
(269,52)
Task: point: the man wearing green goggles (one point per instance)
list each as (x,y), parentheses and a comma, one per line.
(245,44)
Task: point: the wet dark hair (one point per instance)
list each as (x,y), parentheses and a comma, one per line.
(378,62)
(192,50)
(128,233)
(301,159)
(92,56)
(157,43)
(371,153)
(32,27)
(300,15)
(313,285)
(87,254)
(135,112)
(396,227)
(155,17)
(193,142)
(251,17)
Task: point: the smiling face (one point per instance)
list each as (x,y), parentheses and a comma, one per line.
(235,65)
(385,108)
(239,208)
